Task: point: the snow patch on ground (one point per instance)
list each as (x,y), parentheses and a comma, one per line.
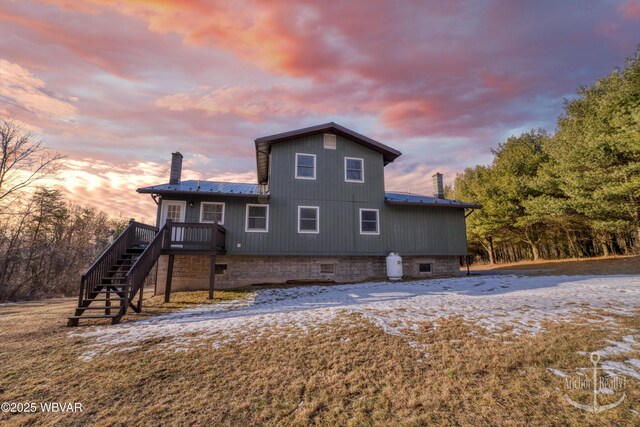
(519,304)
(627,345)
(558,372)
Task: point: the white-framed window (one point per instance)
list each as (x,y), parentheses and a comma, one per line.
(309,219)
(212,212)
(369,221)
(305,166)
(353,169)
(257,218)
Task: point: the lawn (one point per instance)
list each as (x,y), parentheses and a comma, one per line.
(480,350)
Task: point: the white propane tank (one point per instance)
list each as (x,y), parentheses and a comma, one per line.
(394,266)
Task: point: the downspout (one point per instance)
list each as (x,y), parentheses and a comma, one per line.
(468,256)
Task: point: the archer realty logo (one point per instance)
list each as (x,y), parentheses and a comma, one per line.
(595,389)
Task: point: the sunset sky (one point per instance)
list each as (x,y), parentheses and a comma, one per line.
(118,85)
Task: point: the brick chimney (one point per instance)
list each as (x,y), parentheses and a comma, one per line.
(176,168)
(438,186)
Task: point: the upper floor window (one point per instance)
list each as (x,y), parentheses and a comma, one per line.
(305,166)
(308,219)
(369,221)
(212,212)
(353,169)
(257,220)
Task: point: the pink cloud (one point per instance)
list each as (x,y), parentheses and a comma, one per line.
(20,89)
(249,102)
(111,187)
(630,9)
(126,82)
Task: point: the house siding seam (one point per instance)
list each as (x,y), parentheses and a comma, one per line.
(191,272)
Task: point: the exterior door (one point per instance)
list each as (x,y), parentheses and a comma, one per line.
(175,211)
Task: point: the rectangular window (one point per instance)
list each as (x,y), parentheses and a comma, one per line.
(220,269)
(330,141)
(257,220)
(308,219)
(212,212)
(327,268)
(305,166)
(353,169)
(369,221)
(424,268)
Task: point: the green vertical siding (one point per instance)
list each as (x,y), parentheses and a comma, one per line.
(408,230)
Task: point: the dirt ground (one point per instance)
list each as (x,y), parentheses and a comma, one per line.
(349,372)
(583,266)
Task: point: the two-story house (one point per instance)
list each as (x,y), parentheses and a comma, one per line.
(319,212)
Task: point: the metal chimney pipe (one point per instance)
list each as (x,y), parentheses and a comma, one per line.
(438,186)
(176,168)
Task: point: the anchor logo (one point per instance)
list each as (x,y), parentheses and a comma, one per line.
(598,382)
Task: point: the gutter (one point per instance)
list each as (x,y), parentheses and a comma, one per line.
(435,205)
(203,193)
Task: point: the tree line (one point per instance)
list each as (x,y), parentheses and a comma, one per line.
(46,242)
(574,193)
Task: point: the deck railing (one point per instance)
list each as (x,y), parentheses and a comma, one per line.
(136,234)
(194,236)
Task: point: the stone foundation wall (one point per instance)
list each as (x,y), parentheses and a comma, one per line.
(192,272)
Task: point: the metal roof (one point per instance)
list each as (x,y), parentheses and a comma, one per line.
(417,199)
(263,144)
(208,187)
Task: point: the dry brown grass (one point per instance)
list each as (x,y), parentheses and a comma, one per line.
(155,305)
(588,266)
(351,373)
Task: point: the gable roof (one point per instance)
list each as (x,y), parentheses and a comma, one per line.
(208,187)
(263,144)
(417,199)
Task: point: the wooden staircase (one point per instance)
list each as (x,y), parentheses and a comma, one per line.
(111,284)
(112,294)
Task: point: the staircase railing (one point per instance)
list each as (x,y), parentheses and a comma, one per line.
(135,234)
(140,269)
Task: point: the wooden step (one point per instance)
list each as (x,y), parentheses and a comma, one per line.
(111,291)
(99,307)
(95,316)
(106,299)
(112,278)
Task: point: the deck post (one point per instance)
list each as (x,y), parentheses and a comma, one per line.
(167,286)
(166,237)
(140,297)
(212,276)
(107,303)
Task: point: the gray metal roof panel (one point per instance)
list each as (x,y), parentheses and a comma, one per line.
(208,187)
(417,199)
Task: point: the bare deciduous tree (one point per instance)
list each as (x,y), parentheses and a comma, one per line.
(23,160)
